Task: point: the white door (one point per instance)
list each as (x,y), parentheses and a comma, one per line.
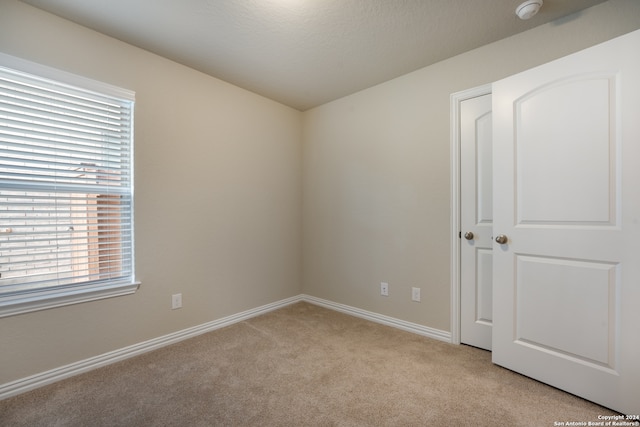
(566,307)
(476,217)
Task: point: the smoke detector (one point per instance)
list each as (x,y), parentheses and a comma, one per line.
(529,8)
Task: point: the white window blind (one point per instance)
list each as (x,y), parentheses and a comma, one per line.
(66,193)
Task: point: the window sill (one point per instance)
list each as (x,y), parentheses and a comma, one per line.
(43,300)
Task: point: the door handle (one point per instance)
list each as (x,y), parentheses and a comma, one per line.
(502,239)
(468,235)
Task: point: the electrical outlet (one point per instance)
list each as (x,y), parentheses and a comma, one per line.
(415,294)
(384,289)
(176,301)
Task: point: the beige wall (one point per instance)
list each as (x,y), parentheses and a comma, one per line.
(376,192)
(217,199)
(228,200)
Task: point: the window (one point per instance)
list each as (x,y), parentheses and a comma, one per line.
(66,189)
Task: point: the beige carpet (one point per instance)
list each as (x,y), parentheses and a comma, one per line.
(302,365)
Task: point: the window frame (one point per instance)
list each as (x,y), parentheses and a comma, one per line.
(46,298)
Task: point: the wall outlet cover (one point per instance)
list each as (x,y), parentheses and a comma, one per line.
(176,301)
(415,294)
(384,289)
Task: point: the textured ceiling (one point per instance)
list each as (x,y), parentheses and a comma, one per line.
(304,53)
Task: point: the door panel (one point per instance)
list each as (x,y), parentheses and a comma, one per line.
(484,287)
(476,178)
(550,190)
(550,285)
(566,283)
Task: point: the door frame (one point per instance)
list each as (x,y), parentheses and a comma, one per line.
(455,100)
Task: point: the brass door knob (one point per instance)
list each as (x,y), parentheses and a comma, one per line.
(502,239)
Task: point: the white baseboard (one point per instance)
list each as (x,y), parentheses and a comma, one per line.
(38,380)
(379,318)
